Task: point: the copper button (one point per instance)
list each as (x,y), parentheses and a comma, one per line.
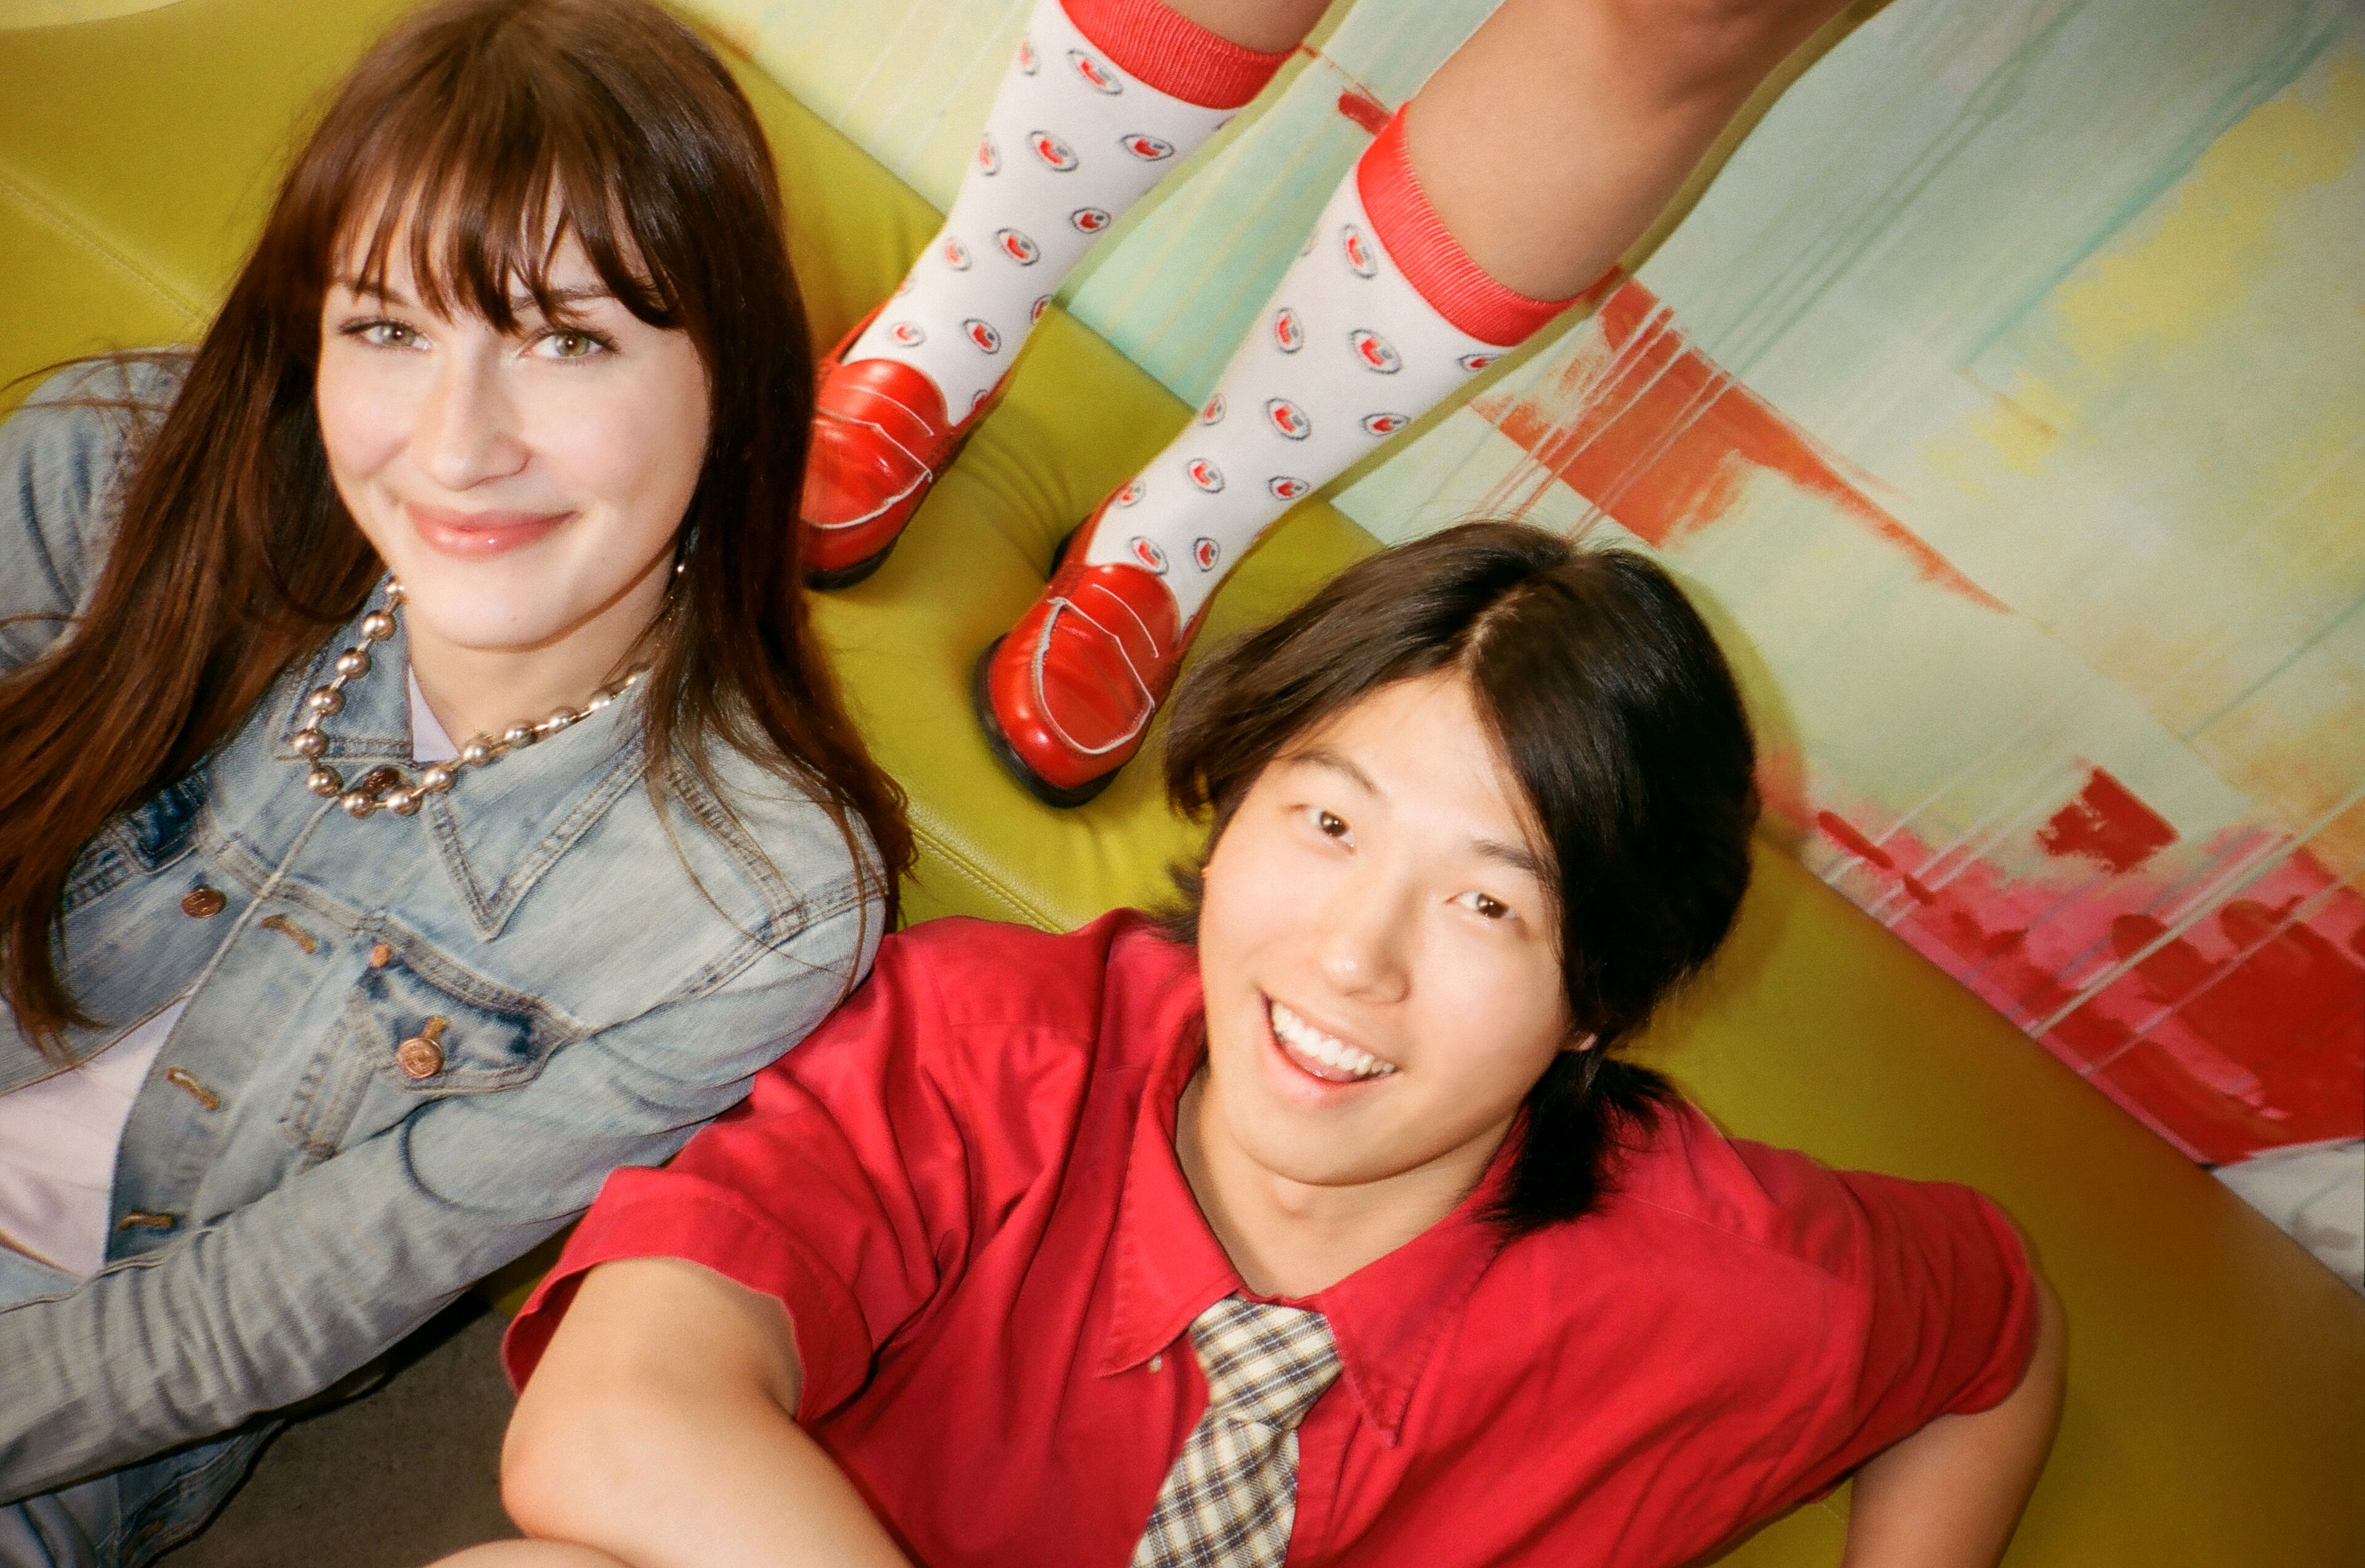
(202,902)
(422,1056)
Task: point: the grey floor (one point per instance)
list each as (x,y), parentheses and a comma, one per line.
(396,1478)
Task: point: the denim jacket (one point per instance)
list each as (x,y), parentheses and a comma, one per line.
(599,977)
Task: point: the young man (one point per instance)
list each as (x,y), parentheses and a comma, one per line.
(1322,1224)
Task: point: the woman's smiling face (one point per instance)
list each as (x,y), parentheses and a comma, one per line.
(1379,950)
(525,486)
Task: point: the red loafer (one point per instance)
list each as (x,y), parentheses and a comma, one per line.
(881,436)
(1067,695)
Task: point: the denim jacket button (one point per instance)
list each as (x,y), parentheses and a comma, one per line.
(420,1057)
(202,902)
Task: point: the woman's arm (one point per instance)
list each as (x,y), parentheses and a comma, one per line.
(277,1300)
(1950,1495)
(659,1428)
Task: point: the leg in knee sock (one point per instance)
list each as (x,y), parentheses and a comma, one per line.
(1537,154)
(1104,98)
(1383,315)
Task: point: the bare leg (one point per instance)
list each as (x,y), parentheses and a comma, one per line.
(1552,138)
(1266,25)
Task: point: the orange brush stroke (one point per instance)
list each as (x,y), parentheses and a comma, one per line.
(1658,436)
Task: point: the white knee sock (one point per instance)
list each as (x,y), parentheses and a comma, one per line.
(1381,316)
(1084,126)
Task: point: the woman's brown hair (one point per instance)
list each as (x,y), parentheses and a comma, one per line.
(476,136)
(1617,715)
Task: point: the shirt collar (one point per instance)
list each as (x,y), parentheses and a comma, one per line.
(1386,1318)
(500,827)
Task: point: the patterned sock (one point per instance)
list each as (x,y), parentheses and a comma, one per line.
(1381,316)
(1104,98)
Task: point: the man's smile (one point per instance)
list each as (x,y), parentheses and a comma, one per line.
(1323,1056)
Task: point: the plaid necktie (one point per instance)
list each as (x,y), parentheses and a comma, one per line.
(1231,1497)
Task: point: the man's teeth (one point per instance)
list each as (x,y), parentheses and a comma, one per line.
(1310,1041)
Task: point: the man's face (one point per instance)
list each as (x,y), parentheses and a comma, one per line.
(1381,962)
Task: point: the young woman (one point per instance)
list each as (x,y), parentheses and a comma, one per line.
(1322,1225)
(420,790)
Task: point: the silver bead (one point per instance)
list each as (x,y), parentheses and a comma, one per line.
(309,742)
(518,735)
(434,780)
(477,753)
(324,780)
(356,804)
(377,626)
(598,700)
(353,663)
(552,724)
(402,802)
(326,701)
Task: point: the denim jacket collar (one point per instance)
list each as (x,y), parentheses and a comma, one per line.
(500,827)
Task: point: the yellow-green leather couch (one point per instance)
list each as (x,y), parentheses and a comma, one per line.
(2217,1404)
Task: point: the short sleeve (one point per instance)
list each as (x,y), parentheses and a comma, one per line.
(1947,1306)
(853,1182)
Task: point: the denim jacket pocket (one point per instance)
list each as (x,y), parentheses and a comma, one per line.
(416,1028)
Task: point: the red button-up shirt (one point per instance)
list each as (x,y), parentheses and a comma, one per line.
(964,1188)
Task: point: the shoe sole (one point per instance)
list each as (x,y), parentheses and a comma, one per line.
(1042,789)
(826,579)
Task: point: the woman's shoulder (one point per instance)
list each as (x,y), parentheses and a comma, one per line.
(759,848)
(61,457)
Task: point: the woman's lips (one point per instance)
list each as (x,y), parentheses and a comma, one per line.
(476,535)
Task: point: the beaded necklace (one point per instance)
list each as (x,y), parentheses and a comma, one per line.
(386,788)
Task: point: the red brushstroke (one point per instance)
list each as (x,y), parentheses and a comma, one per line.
(1658,436)
(2240,1029)
(2106,824)
(1363,109)
(1851,839)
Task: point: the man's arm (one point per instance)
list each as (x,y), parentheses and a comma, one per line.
(659,1428)
(1950,1495)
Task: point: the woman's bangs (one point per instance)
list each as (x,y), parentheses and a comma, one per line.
(480,211)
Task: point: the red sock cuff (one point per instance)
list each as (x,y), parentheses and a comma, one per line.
(1163,48)
(1432,260)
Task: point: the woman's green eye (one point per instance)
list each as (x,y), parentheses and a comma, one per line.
(573,345)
